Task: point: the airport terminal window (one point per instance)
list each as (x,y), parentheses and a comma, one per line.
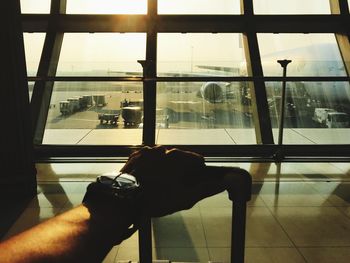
(198,6)
(315,112)
(291,7)
(106,7)
(35,6)
(102,54)
(307,103)
(307,107)
(204,95)
(200,55)
(311,54)
(33,44)
(204,113)
(107,113)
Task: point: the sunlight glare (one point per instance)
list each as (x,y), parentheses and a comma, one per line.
(107,7)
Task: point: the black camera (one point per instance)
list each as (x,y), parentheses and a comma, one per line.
(119,188)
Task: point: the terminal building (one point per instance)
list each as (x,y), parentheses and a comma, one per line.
(259,84)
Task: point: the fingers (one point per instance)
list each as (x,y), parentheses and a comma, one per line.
(143,159)
(193,160)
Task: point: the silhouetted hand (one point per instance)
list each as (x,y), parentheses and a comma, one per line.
(171,180)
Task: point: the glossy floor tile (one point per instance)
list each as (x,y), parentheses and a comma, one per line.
(298,213)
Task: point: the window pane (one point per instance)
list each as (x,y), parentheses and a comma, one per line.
(198,7)
(291,7)
(204,113)
(100,54)
(107,113)
(33,45)
(35,6)
(311,54)
(200,55)
(106,7)
(315,112)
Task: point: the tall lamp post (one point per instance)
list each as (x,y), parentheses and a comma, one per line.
(284,63)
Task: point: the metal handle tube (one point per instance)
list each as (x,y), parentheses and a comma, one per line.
(284,63)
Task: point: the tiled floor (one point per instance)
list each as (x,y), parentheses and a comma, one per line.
(298,213)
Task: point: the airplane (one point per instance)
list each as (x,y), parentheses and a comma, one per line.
(212,98)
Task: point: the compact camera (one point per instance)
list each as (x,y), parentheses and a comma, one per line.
(115,187)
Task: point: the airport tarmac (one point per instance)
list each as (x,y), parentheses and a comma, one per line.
(195,123)
(191,111)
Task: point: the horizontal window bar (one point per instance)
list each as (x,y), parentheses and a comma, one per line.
(241,151)
(191,79)
(188,23)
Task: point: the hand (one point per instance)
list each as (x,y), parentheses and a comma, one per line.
(171,180)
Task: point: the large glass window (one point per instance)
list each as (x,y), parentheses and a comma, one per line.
(311,54)
(200,55)
(315,112)
(33,44)
(204,113)
(291,7)
(198,6)
(106,7)
(102,54)
(211,112)
(208,109)
(108,113)
(35,6)
(311,108)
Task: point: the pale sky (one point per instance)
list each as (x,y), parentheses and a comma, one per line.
(114,51)
(181,6)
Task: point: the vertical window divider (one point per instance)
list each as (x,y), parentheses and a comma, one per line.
(43,89)
(149,74)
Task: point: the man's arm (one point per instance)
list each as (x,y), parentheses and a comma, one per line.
(171,180)
(74,236)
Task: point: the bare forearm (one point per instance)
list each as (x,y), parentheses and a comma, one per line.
(65,238)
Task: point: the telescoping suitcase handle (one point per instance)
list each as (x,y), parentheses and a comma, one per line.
(238,183)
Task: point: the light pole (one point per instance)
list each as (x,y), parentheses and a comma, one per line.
(284,63)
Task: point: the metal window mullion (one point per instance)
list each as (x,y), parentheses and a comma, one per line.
(150,73)
(341,8)
(261,116)
(48,64)
(188,23)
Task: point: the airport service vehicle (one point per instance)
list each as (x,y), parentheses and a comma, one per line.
(108,118)
(66,107)
(75,103)
(132,115)
(87,101)
(337,120)
(331,118)
(100,100)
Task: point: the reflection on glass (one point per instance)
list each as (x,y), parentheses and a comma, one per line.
(106,7)
(198,6)
(95,113)
(311,108)
(220,111)
(311,54)
(35,6)
(291,7)
(33,45)
(102,54)
(30,89)
(200,55)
